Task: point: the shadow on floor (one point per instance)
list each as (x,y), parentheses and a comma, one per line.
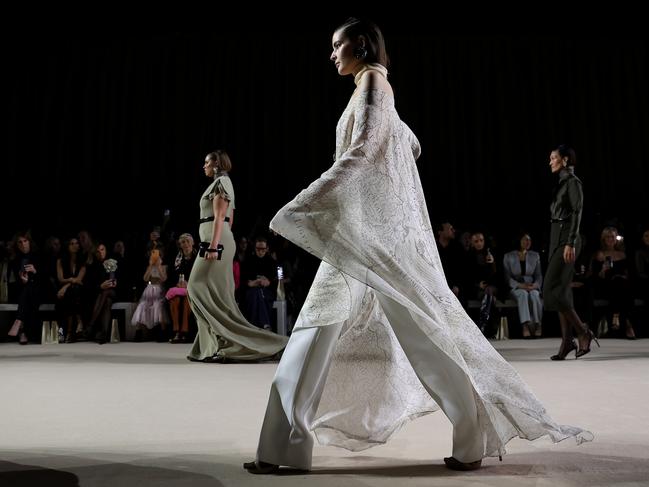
(108,474)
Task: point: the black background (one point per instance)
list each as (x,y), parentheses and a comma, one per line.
(106,129)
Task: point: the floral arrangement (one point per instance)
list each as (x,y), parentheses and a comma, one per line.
(111,266)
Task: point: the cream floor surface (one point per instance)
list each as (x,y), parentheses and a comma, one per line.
(140,414)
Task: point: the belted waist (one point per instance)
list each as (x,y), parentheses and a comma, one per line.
(211,219)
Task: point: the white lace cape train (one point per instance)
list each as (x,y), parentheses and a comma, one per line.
(366,218)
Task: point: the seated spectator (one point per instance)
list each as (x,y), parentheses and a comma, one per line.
(481,278)
(582,287)
(150,312)
(452,257)
(24,289)
(522,270)
(611,279)
(51,254)
(102,281)
(260,276)
(177,295)
(70,272)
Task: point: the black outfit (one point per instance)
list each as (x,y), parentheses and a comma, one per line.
(565,217)
(100,320)
(478,270)
(183,267)
(615,287)
(452,257)
(27,295)
(259,300)
(69,305)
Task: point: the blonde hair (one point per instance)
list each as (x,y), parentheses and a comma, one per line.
(186,236)
(611,231)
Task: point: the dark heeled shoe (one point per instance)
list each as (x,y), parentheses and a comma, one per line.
(454,464)
(583,351)
(565,350)
(261,468)
(630,334)
(217,359)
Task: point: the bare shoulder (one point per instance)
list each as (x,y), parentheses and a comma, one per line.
(372,80)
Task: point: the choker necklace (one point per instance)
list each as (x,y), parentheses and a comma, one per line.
(370,67)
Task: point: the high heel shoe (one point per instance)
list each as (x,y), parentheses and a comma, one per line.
(583,351)
(630,334)
(261,468)
(454,464)
(564,351)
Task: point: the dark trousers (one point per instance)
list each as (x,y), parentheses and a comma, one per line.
(28,303)
(557,293)
(100,320)
(259,303)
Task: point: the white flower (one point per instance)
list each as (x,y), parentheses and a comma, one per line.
(110,265)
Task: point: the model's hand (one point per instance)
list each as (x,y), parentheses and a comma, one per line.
(569,254)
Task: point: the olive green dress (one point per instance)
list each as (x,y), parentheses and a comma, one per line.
(222,329)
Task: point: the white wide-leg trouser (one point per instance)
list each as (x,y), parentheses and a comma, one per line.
(301,375)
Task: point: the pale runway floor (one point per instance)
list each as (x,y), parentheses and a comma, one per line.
(140,414)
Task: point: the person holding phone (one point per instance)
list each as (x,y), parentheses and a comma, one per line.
(610,270)
(25,289)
